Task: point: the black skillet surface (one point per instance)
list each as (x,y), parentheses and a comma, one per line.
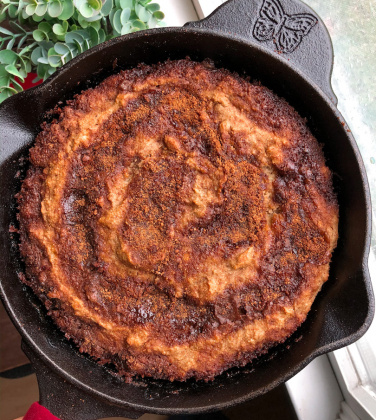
(297,66)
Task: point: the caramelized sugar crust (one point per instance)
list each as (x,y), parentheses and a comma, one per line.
(177,220)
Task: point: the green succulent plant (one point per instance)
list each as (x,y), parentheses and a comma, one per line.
(41,35)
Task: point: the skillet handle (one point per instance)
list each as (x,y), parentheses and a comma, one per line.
(68,402)
(287,28)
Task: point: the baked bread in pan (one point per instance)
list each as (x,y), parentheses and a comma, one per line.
(177,220)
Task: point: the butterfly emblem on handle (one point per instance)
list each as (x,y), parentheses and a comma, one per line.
(287,31)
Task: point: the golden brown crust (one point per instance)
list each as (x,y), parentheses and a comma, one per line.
(177,220)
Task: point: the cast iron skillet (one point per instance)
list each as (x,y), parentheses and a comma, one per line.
(74,387)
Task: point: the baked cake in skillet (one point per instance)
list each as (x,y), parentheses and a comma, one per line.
(177,220)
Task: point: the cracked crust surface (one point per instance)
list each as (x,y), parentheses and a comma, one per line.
(177,220)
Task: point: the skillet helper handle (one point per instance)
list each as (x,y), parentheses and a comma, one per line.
(287,28)
(66,401)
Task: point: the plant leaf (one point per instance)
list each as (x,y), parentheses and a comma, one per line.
(22,63)
(55,8)
(79,3)
(68,9)
(106,8)
(3,72)
(12,11)
(58,29)
(153,7)
(28,67)
(138,24)
(97,25)
(41,9)
(45,27)
(116,22)
(21,5)
(83,21)
(95,4)
(39,35)
(8,57)
(84,33)
(17,86)
(102,35)
(5,31)
(86,10)
(4,95)
(25,65)
(25,49)
(12,69)
(16,27)
(42,70)
(126,4)
(111,16)
(3,14)
(61,48)
(30,9)
(142,13)
(124,16)
(73,37)
(126,28)
(4,81)
(152,22)
(37,18)
(94,35)
(11,90)
(73,50)
(11,43)
(4,76)
(35,55)
(54,61)
(95,18)
(21,41)
(158,15)
(43,60)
